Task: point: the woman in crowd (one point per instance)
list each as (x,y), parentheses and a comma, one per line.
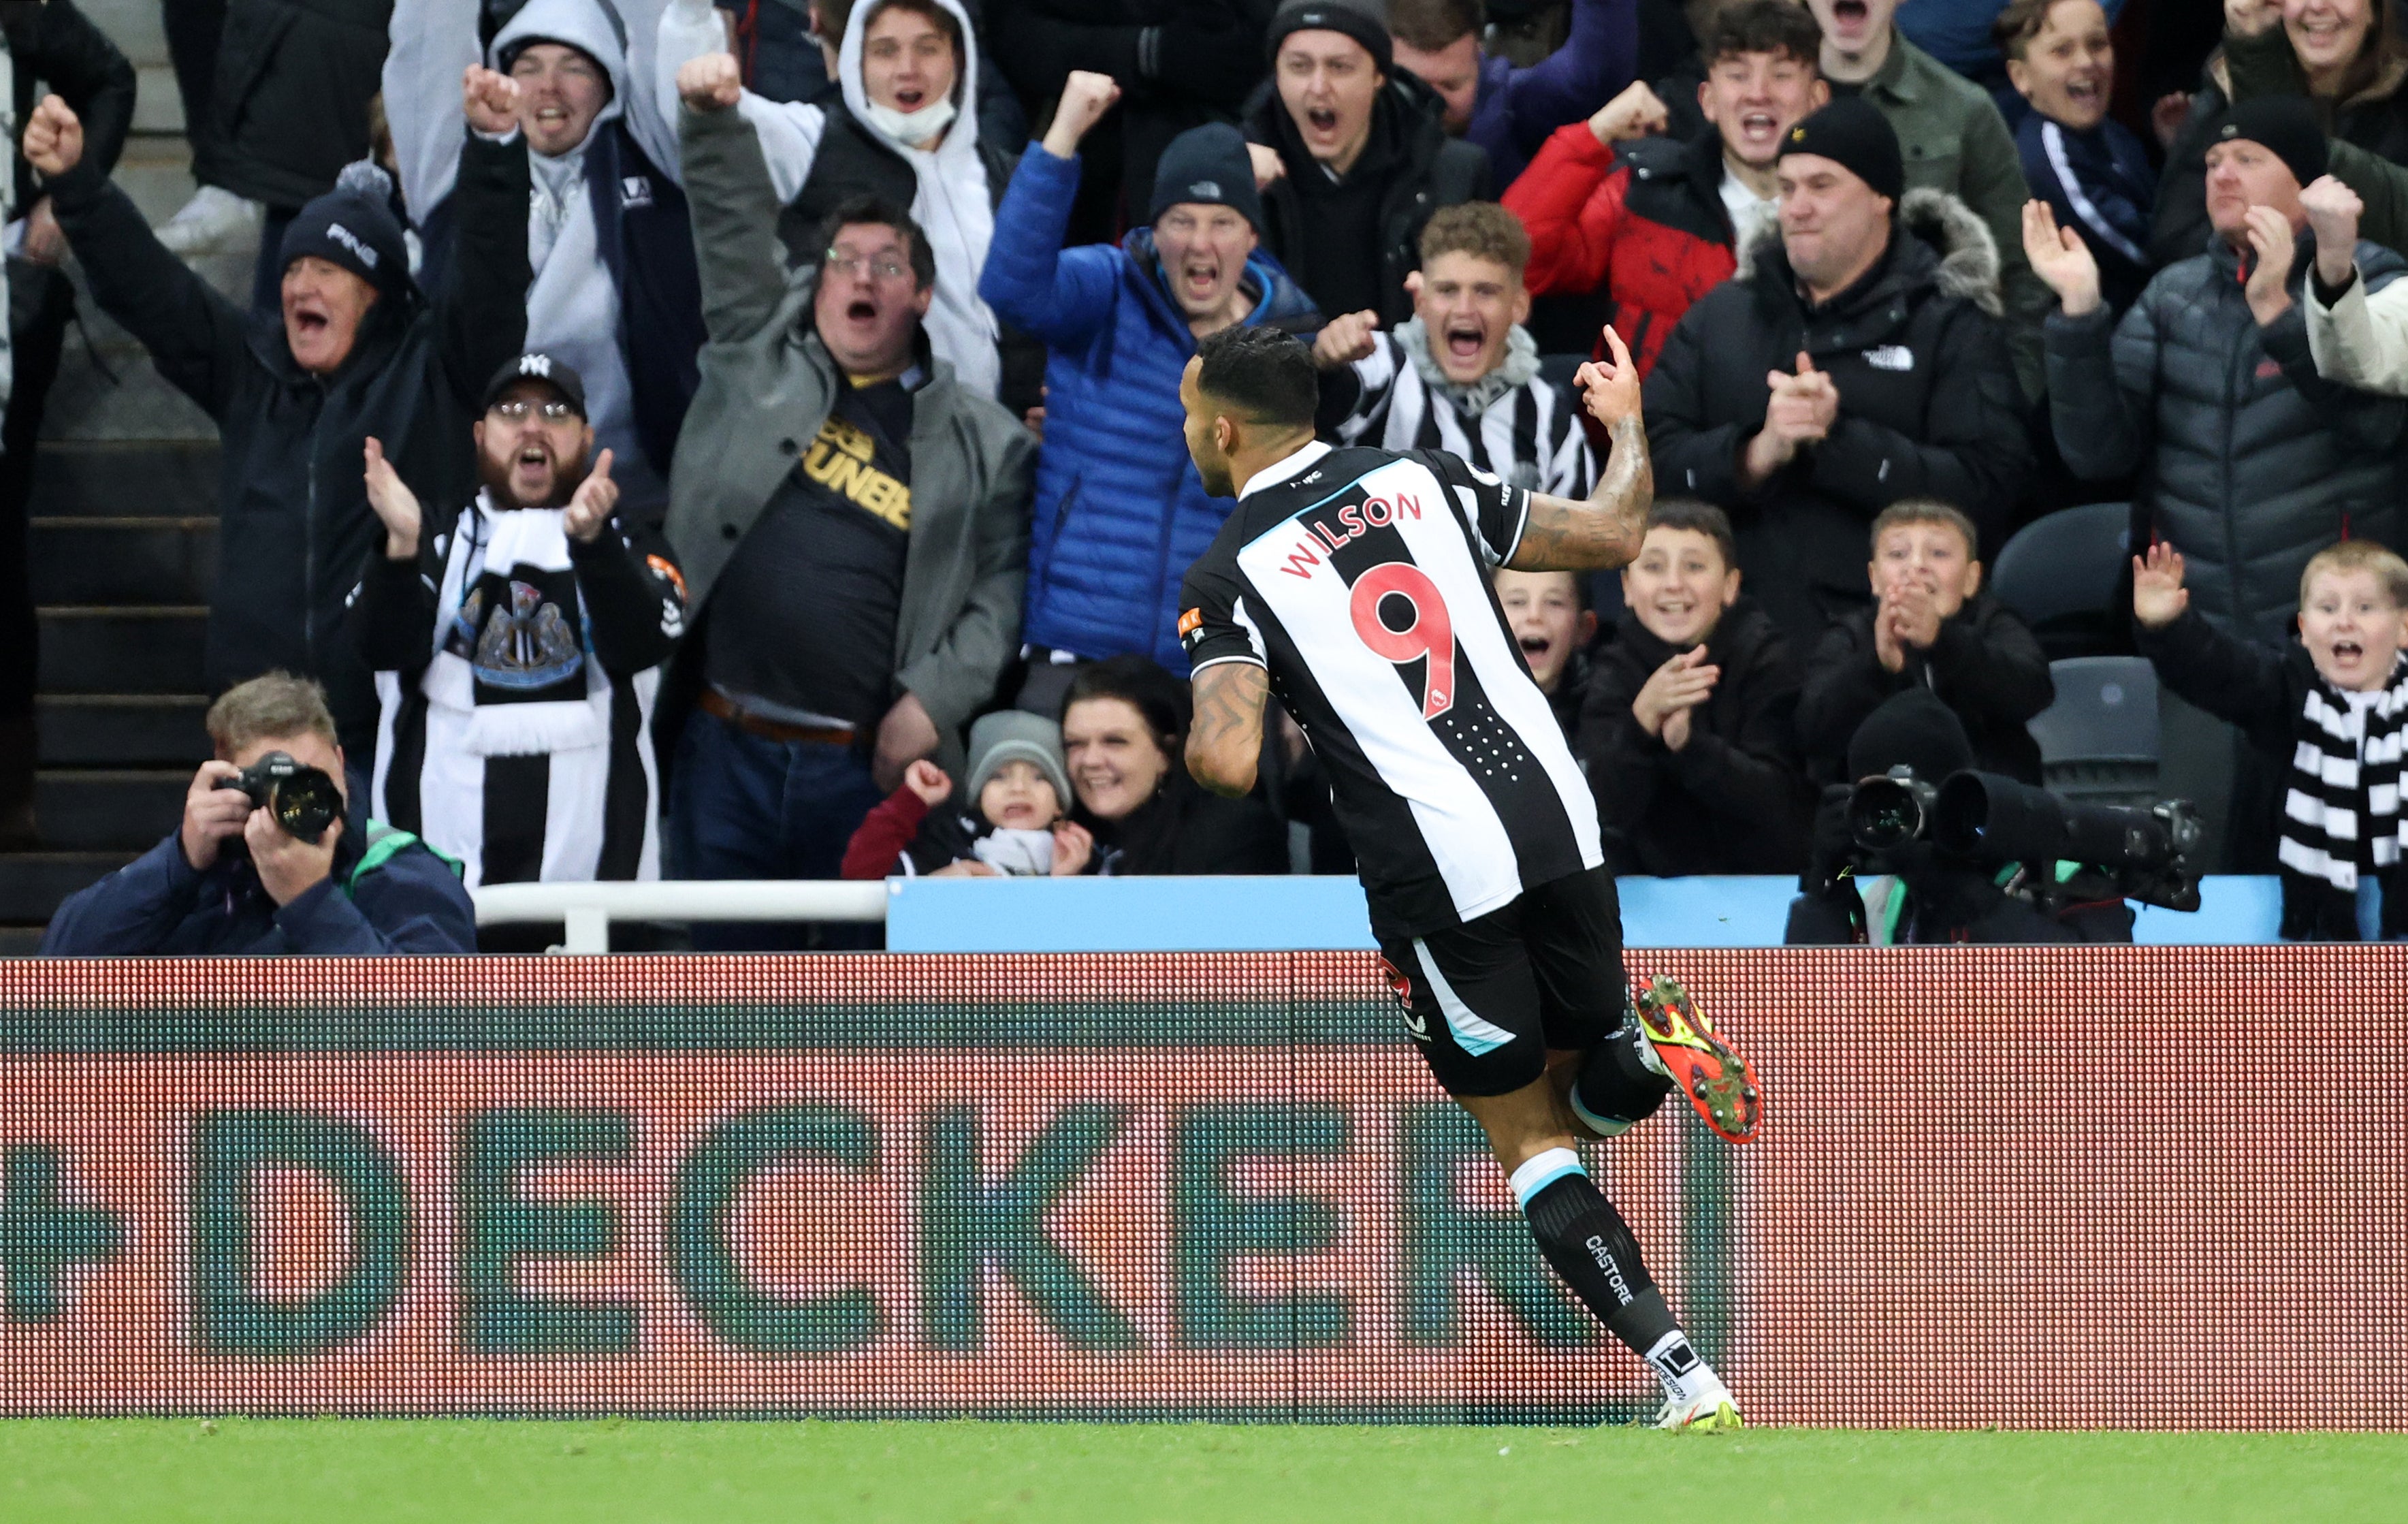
(1124,732)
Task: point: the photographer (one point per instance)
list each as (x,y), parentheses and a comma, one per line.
(1913,892)
(235,877)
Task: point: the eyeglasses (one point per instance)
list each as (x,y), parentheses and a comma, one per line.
(517,410)
(863,267)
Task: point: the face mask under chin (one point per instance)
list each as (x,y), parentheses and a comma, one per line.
(915,129)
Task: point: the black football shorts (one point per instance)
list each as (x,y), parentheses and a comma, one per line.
(1486,1001)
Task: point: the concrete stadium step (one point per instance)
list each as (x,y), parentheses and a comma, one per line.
(108,809)
(31,883)
(109,561)
(122,479)
(134,648)
(122,730)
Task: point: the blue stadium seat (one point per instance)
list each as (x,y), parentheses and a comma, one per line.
(2061,574)
(2099,741)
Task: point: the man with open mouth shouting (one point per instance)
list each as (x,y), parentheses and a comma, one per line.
(518,642)
(1354,157)
(1120,511)
(1461,374)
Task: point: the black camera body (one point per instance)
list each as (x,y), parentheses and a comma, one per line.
(1985,818)
(302,800)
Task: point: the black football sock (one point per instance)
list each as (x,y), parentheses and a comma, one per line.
(1589,1245)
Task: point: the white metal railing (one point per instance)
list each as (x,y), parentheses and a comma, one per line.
(585,911)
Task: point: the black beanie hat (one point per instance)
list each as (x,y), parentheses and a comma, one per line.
(2282,125)
(1914,730)
(347,228)
(1851,132)
(1207,164)
(1365,20)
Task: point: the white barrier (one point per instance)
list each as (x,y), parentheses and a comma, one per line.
(585,911)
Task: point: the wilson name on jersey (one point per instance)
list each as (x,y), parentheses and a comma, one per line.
(1359,579)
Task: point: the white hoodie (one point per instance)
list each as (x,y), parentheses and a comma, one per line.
(954,204)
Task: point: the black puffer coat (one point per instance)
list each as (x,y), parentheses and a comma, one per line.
(1734,799)
(1928,406)
(2250,461)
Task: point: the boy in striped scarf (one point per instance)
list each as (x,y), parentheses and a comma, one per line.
(2334,709)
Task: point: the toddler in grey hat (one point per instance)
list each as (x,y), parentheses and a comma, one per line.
(1010,818)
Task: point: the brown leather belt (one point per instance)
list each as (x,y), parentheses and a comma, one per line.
(715,703)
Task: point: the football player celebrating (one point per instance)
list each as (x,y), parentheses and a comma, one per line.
(1354,583)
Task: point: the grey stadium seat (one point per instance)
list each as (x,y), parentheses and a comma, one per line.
(2099,741)
(2061,575)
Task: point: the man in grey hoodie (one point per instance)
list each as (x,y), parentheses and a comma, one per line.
(615,293)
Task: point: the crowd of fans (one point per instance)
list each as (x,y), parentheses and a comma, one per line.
(718,444)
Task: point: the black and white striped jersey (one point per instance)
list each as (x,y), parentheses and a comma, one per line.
(1529,434)
(1359,579)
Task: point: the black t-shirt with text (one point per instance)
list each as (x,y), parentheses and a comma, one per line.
(804,616)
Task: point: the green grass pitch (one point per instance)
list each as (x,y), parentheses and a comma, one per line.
(466,1472)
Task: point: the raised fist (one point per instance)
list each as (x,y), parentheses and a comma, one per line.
(490,101)
(713,82)
(1634,113)
(1347,339)
(53,139)
(1085,97)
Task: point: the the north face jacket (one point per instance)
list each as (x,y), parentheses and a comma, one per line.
(1928,407)
(1121,513)
(2251,462)
(1646,228)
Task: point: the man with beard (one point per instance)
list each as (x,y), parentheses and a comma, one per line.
(517,643)
(1120,513)
(852,519)
(1357,157)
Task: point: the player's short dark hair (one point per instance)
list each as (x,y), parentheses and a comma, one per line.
(869,210)
(1432,25)
(1144,686)
(1699,517)
(1264,372)
(1765,26)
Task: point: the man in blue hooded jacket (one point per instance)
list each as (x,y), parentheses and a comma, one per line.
(1120,510)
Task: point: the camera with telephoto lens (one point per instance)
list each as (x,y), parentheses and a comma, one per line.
(1982,817)
(303,800)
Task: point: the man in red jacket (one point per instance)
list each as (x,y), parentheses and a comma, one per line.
(1655,226)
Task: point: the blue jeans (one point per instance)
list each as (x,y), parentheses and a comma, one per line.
(744,807)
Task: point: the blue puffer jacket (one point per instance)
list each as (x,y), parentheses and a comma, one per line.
(1120,511)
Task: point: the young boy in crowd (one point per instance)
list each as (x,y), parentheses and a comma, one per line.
(1552,623)
(1930,627)
(1461,374)
(2328,716)
(1017,823)
(1685,731)
(2092,172)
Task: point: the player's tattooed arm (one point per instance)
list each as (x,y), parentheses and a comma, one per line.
(1604,532)
(1224,743)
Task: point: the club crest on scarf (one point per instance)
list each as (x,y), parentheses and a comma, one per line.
(522,637)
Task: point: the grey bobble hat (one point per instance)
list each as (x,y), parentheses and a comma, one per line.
(1014,735)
